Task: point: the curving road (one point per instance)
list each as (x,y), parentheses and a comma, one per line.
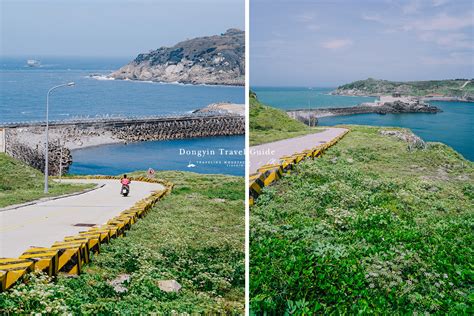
(271,153)
(44,223)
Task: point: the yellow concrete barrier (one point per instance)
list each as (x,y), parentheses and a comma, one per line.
(45,259)
(72,256)
(271,173)
(93,242)
(12,270)
(268,174)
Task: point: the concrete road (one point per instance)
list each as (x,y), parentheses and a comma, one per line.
(44,223)
(272,152)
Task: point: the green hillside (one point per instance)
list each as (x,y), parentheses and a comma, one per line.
(20,183)
(268,124)
(370,228)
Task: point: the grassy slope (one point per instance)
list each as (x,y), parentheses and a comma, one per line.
(369,227)
(417,88)
(195,236)
(268,124)
(20,183)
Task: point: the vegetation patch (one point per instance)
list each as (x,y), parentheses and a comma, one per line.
(374,226)
(268,124)
(19,183)
(195,236)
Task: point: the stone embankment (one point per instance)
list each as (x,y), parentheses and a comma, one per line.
(26,141)
(396,106)
(59,158)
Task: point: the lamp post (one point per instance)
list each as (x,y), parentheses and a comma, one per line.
(46,153)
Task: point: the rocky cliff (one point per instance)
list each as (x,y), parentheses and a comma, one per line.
(458,89)
(215,60)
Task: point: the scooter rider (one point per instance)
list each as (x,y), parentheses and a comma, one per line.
(125,182)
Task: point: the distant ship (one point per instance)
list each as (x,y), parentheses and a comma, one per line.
(33,63)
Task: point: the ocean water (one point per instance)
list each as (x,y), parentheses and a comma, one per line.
(304,98)
(210,155)
(453,126)
(23,91)
(23,97)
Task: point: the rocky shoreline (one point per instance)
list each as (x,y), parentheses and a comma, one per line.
(357,93)
(223,108)
(387,107)
(460,90)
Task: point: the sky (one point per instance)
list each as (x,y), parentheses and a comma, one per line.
(328,43)
(110,28)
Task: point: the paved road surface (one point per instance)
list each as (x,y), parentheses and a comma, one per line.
(44,223)
(271,152)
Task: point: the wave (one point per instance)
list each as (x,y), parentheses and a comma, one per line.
(100,77)
(177,83)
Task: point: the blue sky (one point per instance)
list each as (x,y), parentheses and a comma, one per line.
(112,28)
(327,43)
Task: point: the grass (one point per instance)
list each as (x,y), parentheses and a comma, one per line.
(20,183)
(268,124)
(369,228)
(195,236)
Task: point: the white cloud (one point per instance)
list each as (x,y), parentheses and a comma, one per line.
(373,18)
(304,17)
(413,6)
(313,27)
(449,40)
(337,43)
(438,3)
(451,59)
(442,22)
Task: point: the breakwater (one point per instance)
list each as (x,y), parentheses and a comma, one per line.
(25,140)
(305,115)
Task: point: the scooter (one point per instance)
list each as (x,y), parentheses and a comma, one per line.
(125,190)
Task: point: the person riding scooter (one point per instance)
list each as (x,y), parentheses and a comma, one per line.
(125,185)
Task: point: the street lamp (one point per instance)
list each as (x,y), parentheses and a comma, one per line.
(46,153)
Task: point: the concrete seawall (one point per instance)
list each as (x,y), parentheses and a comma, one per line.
(2,140)
(25,141)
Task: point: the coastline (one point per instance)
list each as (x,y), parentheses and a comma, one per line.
(385,105)
(178,83)
(420,98)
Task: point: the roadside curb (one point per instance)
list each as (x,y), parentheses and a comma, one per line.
(270,173)
(73,252)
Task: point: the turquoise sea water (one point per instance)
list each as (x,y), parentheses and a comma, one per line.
(453,126)
(304,98)
(23,97)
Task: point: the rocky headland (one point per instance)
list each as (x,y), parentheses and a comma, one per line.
(223,108)
(444,90)
(213,60)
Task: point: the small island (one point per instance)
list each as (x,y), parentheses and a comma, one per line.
(393,97)
(444,90)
